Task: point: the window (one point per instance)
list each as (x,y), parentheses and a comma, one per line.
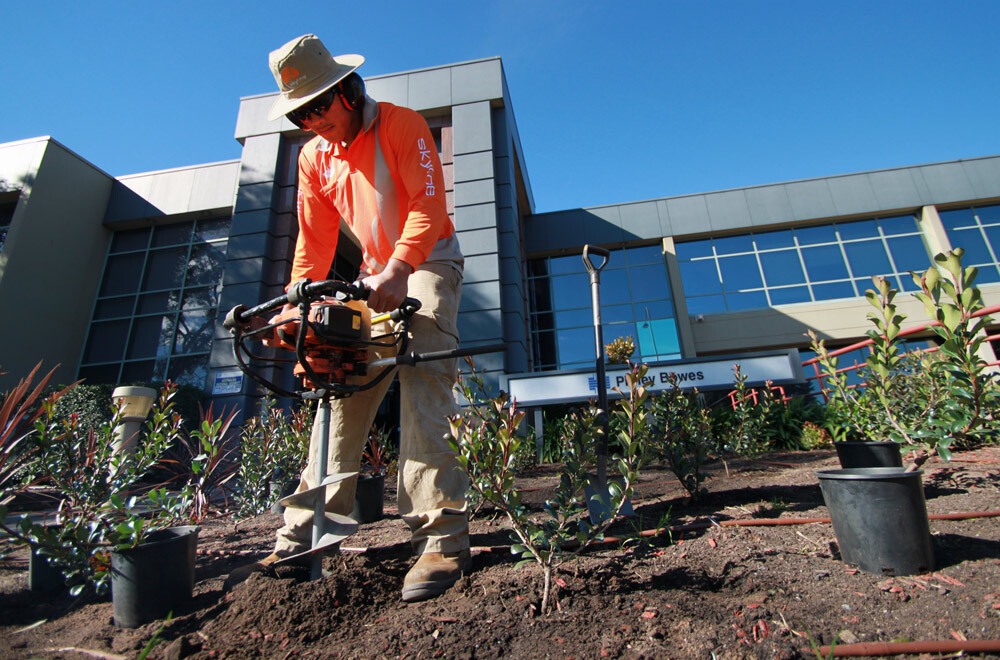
(154,318)
(804,264)
(977,231)
(635,302)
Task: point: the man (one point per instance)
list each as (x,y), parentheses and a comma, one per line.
(375,166)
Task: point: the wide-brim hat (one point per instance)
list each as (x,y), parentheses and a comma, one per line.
(304,69)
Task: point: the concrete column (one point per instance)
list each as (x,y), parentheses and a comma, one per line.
(677,293)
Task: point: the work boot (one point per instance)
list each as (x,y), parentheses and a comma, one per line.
(433,574)
(243,572)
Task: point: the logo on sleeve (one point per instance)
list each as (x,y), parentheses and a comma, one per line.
(427,163)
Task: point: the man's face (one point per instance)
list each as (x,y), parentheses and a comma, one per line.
(336,125)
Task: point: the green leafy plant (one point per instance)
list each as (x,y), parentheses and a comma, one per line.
(741,429)
(96,491)
(274,449)
(924,402)
(487,441)
(682,435)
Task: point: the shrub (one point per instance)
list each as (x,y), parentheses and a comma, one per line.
(487,442)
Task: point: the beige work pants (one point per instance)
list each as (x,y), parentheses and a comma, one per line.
(432,484)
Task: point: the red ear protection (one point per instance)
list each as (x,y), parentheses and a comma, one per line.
(352,91)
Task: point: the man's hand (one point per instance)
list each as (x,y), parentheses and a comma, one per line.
(388,288)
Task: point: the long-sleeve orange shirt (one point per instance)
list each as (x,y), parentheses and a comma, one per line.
(387,186)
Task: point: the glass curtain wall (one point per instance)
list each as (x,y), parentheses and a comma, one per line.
(977,231)
(635,302)
(154,318)
(800,265)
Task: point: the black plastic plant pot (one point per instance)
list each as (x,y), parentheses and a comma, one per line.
(856,454)
(880,518)
(42,576)
(153,578)
(369,498)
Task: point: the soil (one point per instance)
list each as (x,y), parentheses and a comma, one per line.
(720,592)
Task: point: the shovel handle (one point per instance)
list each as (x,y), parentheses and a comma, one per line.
(599,251)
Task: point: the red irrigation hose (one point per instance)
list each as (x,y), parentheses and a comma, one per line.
(764,522)
(897,648)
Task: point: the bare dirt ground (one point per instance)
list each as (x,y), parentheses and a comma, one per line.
(721,592)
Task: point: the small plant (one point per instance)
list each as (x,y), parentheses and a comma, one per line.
(742,431)
(924,403)
(682,435)
(96,492)
(487,443)
(620,350)
(204,466)
(375,455)
(274,448)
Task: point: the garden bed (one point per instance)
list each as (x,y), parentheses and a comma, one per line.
(725,591)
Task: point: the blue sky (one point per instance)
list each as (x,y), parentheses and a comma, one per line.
(614,102)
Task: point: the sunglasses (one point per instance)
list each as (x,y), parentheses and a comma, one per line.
(317,106)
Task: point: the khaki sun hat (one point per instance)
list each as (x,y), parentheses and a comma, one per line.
(304,69)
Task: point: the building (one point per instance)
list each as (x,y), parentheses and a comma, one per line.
(126,279)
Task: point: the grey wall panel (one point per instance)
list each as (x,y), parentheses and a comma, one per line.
(640,220)
(248,245)
(768,205)
(252,117)
(171,191)
(254,197)
(429,89)
(480,295)
(507,221)
(393,89)
(512,297)
(510,271)
(474,192)
(472,128)
(852,194)
(895,189)
(259,160)
(214,187)
(478,241)
(946,182)
(666,226)
(510,245)
(470,167)
(477,81)
(484,325)
(810,200)
(242,271)
(477,216)
(984,175)
(251,222)
(688,215)
(482,268)
(127,203)
(727,210)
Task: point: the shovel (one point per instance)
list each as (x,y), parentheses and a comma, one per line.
(597,493)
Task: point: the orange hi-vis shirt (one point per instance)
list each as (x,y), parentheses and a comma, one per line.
(387,186)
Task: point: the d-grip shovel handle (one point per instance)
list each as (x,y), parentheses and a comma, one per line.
(599,251)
